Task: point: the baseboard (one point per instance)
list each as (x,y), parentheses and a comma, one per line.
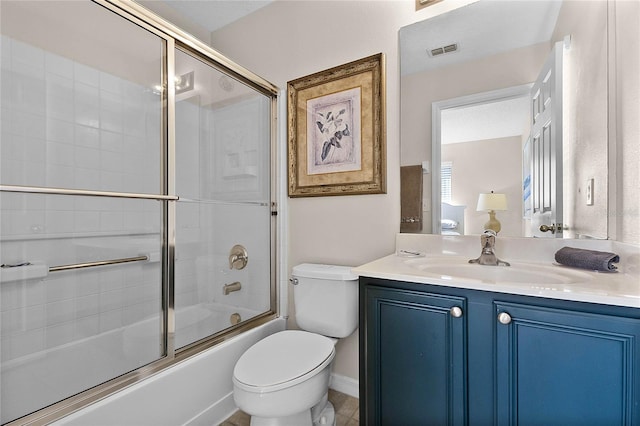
(345,385)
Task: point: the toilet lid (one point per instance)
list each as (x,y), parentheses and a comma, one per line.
(283,359)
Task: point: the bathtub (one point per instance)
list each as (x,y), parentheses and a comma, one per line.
(196,391)
(140,341)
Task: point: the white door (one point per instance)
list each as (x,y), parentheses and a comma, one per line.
(546,147)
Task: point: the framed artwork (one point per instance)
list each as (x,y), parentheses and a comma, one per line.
(336,130)
(420,4)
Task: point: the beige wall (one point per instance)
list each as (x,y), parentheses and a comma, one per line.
(483,166)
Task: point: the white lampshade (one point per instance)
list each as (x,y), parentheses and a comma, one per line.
(491,201)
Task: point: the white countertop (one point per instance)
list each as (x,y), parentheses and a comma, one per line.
(611,288)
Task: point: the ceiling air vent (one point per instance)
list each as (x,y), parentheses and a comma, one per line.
(444,49)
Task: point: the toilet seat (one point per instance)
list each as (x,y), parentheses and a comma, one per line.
(282,360)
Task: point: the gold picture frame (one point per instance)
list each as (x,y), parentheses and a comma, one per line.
(420,4)
(336,130)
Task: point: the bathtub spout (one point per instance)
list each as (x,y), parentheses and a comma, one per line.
(230,288)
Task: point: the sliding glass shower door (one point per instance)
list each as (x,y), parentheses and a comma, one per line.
(80,153)
(136,222)
(222,178)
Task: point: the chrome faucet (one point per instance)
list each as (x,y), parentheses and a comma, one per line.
(488,257)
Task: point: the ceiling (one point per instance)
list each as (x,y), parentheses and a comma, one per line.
(214,14)
(479,30)
(493,120)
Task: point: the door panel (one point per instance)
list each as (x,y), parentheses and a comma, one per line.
(546,134)
(419,358)
(564,367)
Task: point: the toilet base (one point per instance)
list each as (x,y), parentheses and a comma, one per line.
(327,416)
(322,414)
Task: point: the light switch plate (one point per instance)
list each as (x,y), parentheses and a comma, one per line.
(589,192)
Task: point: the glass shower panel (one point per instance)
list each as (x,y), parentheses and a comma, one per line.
(223,181)
(80,99)
(68,322)
(81,110)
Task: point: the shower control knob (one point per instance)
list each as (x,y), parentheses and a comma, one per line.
(238,257)
(456,311)
(504,318)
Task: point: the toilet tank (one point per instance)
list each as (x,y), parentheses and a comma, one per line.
(325,299)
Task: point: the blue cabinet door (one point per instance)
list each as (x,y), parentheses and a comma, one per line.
(415,357)
(561,367)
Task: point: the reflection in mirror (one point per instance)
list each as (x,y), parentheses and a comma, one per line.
(467,76)
(481,150)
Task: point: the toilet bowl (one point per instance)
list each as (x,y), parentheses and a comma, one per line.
(284,378)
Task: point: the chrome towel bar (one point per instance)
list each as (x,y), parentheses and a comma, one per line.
(34,271)
(99,263)
(62,191)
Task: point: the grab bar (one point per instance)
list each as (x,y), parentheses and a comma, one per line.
(30,271)
(90,193)
(99,263)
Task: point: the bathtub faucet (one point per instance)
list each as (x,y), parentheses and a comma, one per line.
(230,288)
(487,256)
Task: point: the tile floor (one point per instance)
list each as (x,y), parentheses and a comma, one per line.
(346,407)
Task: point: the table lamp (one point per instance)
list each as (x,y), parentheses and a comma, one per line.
(491,203)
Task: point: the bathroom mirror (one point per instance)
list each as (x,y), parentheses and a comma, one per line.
(472,71)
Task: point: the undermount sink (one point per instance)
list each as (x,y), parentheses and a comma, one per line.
(457,268)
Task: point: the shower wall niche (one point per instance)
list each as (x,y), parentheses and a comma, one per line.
(132,158)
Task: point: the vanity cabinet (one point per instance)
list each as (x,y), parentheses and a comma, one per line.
(437,355)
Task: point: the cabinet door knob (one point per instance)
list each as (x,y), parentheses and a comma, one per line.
(456,311)
(504,318)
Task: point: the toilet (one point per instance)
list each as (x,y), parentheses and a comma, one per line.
(284,378)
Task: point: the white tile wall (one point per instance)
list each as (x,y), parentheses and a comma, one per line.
(64,124)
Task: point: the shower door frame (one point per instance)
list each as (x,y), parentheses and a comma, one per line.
(173,38)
